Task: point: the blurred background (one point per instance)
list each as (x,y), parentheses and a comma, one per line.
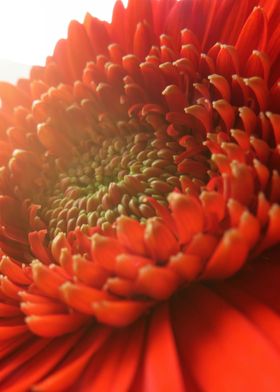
(29,30)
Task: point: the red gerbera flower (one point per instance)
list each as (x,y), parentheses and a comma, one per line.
(140,216)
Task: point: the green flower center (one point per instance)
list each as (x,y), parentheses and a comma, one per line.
(110,179)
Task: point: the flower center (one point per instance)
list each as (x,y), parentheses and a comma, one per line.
(110,179)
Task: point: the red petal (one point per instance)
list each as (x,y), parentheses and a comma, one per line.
(175,98)
(79,47)
(250,38)
(177,20)
(159,356)
(275,122)
(13,96)
(207,346)
(11,331)
(97,34)
(142,40)
(7,310)
(227,61)
(40,364)
(28,351)
(61,57)
(260,314)
(258,65)
(136,12)
(69,371)
(13,271)
(118,23)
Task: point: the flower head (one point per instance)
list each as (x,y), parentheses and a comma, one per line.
(139,204)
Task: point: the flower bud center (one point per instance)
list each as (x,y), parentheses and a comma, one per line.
(111,179)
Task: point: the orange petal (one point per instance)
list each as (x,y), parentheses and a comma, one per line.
(156,282)
(128,265)
(119,313)
(89,272)
(51,326)
(188,266)
(159,240)
(229,257)
(131,234)
(81,297)
(46,280)
(188,215)
(13,271)
(105,251)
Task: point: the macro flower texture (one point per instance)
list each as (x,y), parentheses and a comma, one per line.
(140,204)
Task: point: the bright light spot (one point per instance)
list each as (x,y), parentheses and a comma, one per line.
(29,29)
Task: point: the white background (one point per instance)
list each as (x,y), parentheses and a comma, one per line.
(29,30)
